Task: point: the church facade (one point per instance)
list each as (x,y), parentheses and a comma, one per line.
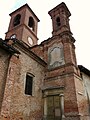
(42,82)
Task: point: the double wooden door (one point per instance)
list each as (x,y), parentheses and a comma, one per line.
(53,108)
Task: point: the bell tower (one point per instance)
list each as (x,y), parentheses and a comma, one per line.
(62,77)
(60,19)
(23,25)
(63,36)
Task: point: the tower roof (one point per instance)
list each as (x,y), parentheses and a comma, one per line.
(83,69)
(26,5)
(61,5)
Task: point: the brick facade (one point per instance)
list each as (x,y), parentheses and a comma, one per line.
(57,85)
(4,61)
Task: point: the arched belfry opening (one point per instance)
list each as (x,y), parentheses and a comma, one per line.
(58,22)
(31,23)
(17,20)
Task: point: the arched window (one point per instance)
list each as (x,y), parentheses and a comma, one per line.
(58,23)
(17,20)
(31,23)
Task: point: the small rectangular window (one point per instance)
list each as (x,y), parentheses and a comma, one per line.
(28,85)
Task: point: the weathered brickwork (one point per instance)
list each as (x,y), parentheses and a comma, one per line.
(4,61)
(59,89)
(23,31)
(17,105)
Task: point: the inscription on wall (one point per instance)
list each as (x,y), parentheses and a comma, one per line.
(55,56)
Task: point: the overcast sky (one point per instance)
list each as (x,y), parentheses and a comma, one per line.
(79,22)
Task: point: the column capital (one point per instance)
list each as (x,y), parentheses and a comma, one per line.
(61,94)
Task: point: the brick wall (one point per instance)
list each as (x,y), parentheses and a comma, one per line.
(17,105)
(4,61)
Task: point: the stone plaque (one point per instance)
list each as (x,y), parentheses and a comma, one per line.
(55,56)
